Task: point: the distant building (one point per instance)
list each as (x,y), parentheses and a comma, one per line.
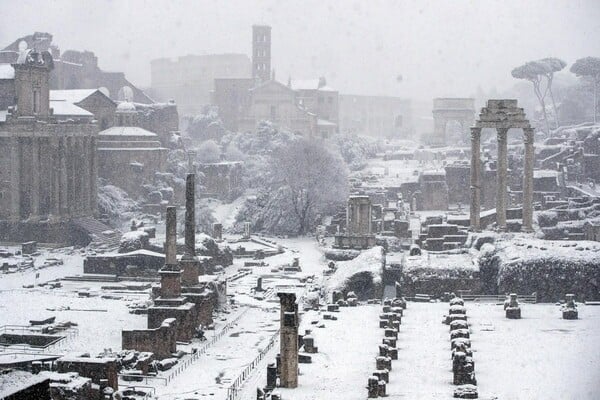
(316,97)
(378,116)
(74,69)
(275,102)
(189,80)
(129,156)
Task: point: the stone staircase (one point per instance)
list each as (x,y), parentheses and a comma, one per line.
(101,236)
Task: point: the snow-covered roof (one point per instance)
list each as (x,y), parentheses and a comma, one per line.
(62,107)
(126,131)
(7,71)
(15,381)
(324,122)
(72,96)
(309,84)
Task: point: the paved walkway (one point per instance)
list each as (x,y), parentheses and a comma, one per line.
(424,368)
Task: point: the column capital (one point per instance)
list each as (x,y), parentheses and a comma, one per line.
(475,132)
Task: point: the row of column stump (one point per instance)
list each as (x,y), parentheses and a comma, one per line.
(463,366)
(389,320)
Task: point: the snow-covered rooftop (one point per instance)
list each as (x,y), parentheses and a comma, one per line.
(309,84)
(324,122)
(63,107)
(7,71)
(71,96)
(126,131)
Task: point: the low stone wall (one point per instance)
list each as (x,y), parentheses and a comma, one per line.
(161,341)
(126,264)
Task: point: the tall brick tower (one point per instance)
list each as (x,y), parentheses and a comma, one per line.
(261,53)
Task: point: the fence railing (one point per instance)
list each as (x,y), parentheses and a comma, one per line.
(234,390)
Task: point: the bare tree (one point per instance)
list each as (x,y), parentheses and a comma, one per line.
(315,178)
(589,67)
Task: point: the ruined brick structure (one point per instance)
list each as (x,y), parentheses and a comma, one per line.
(161,341)
(102,371)
(74,69)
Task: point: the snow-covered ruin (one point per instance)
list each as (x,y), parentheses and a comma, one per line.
(227,233)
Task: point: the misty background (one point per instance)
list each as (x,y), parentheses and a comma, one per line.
(438,48)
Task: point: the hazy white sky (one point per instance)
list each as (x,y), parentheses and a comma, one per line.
(441,48)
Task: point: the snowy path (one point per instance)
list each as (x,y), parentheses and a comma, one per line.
(346,357)
(424,368)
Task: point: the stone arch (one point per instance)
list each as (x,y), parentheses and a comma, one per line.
(502,115)
(457,109)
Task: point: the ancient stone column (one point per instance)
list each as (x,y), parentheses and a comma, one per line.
(502,179)
(93,176)
(170,275)
(35,181)
(64,177)
(247,226)
(15,179)
(55,186)
(475,179)
(528,180)
(217,231)
(85,175)
(288,340)
(190,217)
(171,238)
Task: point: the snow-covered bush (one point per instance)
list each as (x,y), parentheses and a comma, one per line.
(356,150)
(115,202)
(547,218)
(134,240)
(362,275)
(551,269)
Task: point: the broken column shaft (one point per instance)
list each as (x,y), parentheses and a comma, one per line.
(170,275)
(289,340)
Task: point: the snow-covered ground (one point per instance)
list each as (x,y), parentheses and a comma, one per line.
(538,357)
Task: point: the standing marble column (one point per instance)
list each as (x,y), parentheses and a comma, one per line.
(190,216)
(85,175)
(15,179)
(528,180)
(475,209)
(64,178)
(502,179)
(34,192)
(93,176)
(55,173)
(171,239)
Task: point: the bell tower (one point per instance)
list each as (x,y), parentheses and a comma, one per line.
(261,53)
